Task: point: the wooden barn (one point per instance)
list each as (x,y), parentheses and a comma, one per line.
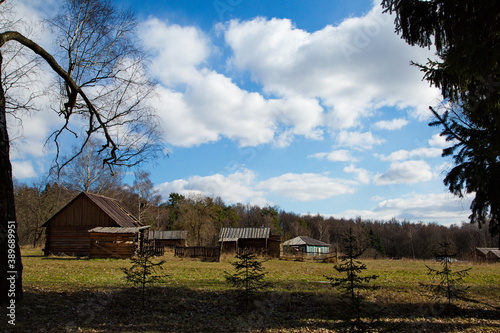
(257,240)
(169,238)
(305,245)
(67,232)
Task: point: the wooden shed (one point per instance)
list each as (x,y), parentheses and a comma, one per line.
(67,232)
(306,246)
(115,242)
(258,240)
(487,254)
(169,238)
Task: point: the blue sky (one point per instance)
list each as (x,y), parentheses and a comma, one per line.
(308,105)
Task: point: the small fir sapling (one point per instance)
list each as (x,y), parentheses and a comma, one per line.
(248,277)
(144,271)
(351,284)
(447,283)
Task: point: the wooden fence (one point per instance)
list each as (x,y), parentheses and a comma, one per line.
(202,252)
(157,249)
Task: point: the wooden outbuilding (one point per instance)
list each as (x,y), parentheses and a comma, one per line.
(168,238)
(257,240)
(305,245)
(116,242)
(487,254)
(67,232)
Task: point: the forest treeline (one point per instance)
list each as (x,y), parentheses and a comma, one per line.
(204,216)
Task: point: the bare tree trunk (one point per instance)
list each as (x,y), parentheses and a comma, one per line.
(11,268)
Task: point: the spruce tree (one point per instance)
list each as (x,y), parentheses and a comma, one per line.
(248,277)
(351,285)
(144,271)
(446,283)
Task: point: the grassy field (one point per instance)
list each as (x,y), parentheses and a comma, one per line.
(66,294)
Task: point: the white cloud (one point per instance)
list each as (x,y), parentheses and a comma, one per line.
(22,169)
(407,172)
(178,51)
(438,140)
(363,175)
(354,68)
(210,105)
(431,207)
(233,188)
(402,154)
(214,107)
(306,186)
(391,125)
(341,155)
(357,140)
(428,207)
(243,187)
(330,78)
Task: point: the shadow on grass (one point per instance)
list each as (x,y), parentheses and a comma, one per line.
(58,258)
(179,309)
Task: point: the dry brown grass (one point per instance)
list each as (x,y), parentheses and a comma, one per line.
(64,294)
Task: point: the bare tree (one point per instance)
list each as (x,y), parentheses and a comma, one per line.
(147,196)
(87,173)
(100,53)
(103,85)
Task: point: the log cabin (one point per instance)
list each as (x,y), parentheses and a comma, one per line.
(67,232)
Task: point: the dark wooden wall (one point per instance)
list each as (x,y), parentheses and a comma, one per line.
(67,231)
(67,240)
(259,246)
(82,212)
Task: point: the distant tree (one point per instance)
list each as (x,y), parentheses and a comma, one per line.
(270,218)
(147,196)
(248,278)
(197,215)
(448,283)
(250,215)
(226,216)
(375,242)
(173,204)
(35,205)
(465,35)
(351,284)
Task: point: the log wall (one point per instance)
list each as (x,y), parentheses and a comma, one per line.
(67,240)
(104,245)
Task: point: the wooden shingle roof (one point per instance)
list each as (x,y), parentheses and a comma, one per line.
(109,206)
(117,230)
(485,250)
(114,210)
(233,234)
